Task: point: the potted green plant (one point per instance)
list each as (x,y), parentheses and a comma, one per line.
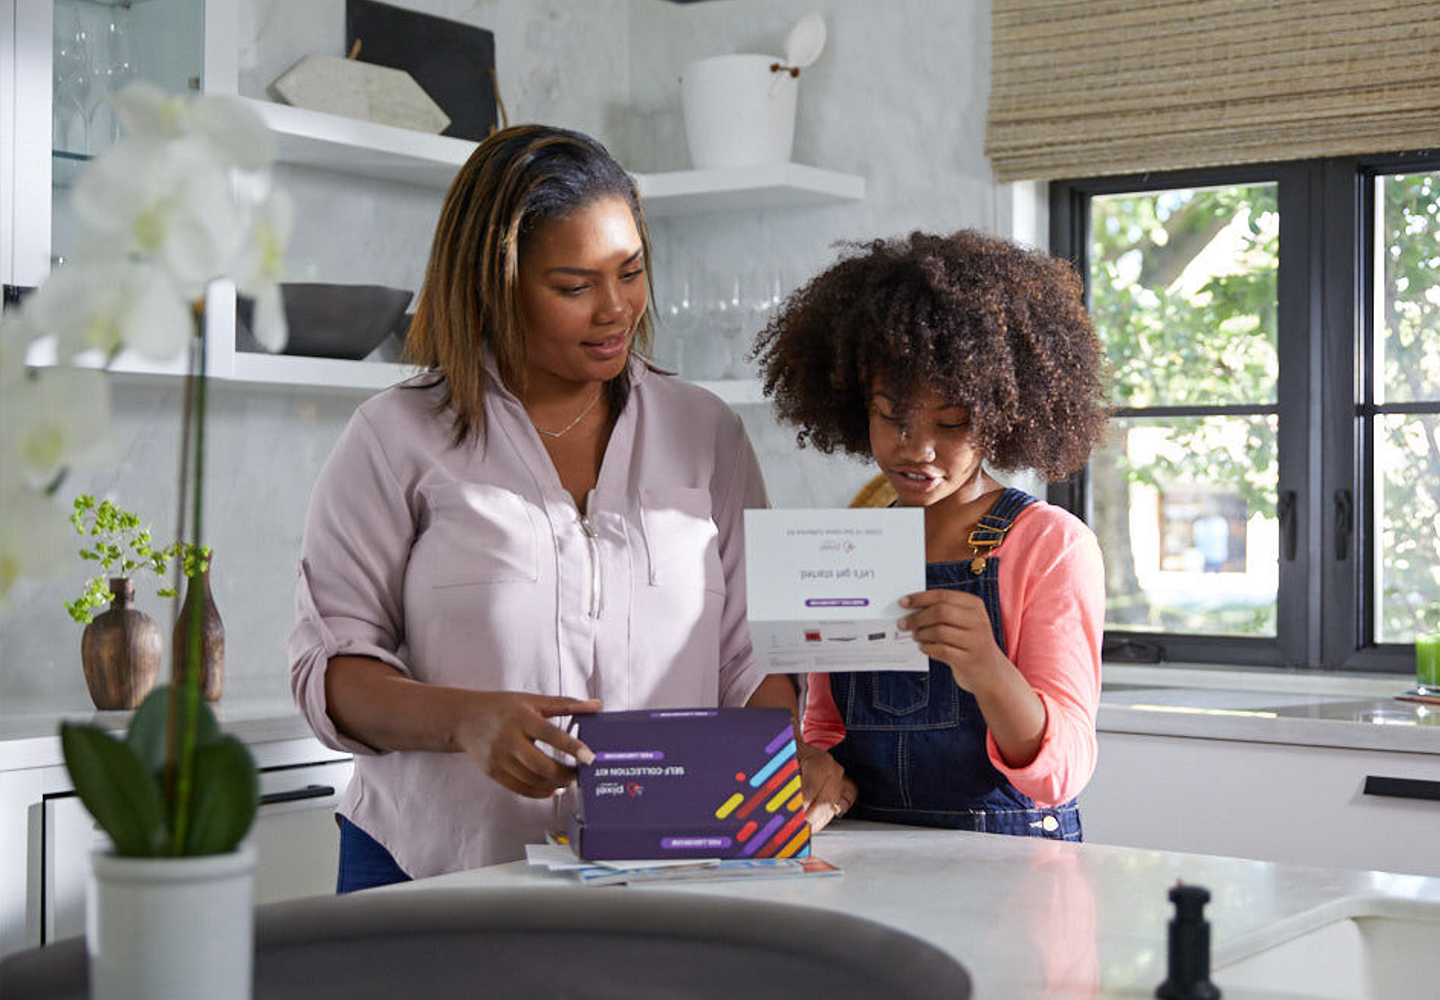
(183,200)
(121,648)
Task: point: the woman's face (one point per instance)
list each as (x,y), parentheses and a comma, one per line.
(582,291)
(922,443)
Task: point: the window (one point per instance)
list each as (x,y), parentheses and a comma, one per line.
(1270,493)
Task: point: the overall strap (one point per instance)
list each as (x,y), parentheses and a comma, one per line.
(992,527)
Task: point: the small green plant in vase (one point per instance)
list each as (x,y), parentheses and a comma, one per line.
(120,544)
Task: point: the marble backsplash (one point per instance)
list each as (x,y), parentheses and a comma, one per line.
(901,107)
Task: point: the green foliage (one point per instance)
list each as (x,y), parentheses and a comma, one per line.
(123,783)
(1174,339)
(120,544)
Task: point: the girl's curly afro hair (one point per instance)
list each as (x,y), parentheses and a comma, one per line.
(991,327)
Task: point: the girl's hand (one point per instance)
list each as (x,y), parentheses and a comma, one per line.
(828,794)
(501,730)
(954,628)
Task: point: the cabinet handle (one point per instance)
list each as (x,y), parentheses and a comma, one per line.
(1402,788)
(296,794)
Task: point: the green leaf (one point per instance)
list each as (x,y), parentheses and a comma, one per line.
(150,724)
(114,784)
(225,798)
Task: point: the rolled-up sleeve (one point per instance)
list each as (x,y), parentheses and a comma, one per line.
(1056,583)
(348,592)
(744,489)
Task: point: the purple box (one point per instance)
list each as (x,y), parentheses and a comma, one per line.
(690,783)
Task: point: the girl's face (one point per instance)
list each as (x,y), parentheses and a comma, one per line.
(582,291)
(922,443)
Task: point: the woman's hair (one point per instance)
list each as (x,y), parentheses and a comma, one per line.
(515,180)
(993,328)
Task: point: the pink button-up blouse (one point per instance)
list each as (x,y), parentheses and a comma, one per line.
(472,567)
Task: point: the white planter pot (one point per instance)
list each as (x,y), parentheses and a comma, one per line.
(171,927)
(738,112)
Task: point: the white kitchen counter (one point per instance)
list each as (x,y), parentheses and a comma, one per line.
(1029,917)
(1294,707)
(1302,708)
(29,734)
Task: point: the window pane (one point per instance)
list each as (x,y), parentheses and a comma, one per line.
(1183,293)
(1407,490)
(1407,283)
(1182,506)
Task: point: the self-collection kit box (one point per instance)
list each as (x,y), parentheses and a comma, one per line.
(690,783)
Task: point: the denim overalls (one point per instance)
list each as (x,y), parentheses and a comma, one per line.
(915,743)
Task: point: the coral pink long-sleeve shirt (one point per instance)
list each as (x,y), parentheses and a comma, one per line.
(1052,604)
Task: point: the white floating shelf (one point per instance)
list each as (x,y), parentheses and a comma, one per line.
(767,185)
(352,146)
(736,392)
(287,369)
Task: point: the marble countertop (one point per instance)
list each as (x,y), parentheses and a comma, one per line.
(1304,708)
(29,734)
(1295,707)
(1031,918)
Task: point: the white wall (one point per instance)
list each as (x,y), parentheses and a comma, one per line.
(898,96)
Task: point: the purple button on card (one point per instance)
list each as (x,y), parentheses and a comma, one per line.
(630,755)
(691,843)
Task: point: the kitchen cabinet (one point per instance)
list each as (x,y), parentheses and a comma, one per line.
(196,38)
(1303,805)
(46,837)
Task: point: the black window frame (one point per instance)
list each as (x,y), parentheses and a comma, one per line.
(1326,415)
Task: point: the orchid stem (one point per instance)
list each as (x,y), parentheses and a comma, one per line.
(189,680)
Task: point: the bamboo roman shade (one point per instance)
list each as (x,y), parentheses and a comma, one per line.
(1080,88)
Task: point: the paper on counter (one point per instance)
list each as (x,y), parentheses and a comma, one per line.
(559,858)
(823,588)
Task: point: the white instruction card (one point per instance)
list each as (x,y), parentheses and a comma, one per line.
(823,588)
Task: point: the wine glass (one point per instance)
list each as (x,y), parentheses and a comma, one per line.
(677,322)
(113,70)
(73,83)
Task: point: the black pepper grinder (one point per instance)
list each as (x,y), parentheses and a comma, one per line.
(1188,972)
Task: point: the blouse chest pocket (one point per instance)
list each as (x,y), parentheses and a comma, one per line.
(478,534)
(681,540)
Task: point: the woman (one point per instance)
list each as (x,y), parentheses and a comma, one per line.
(538,526)
(939,356)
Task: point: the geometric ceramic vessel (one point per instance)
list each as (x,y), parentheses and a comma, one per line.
(360,90)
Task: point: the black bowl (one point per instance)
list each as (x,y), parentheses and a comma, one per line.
(330,321)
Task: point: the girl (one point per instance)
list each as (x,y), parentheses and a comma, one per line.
(937,356)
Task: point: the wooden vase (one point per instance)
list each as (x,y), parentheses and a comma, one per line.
(121,650)
(212,642)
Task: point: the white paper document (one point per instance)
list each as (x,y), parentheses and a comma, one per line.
(823,588)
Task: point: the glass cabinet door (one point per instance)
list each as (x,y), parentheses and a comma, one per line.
(96,47)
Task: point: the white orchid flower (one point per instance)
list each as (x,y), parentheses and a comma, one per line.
(233,133)
(54,418)
(35,537)
(262,266)
(165,200)
(105,304)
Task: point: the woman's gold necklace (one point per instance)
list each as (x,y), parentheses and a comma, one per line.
(578,417)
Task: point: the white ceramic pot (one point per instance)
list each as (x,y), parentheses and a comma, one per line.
(738,112)
(171,927)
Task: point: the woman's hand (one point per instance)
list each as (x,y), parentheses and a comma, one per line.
(500,729)
(827,792)
(954,628)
